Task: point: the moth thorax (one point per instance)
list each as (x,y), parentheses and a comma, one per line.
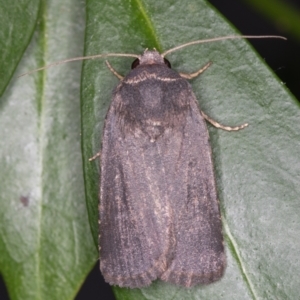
(151,57)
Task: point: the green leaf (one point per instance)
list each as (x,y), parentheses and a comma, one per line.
(15,35)
(257,168)
(45,241)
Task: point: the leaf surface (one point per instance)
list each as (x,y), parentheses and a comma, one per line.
(17,23)
(45,241)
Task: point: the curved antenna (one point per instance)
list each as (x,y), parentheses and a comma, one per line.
(229,37)
(78,58)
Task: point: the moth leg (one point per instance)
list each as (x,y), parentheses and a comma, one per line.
(218,125)
(193,75)
(95,156)
(113,70)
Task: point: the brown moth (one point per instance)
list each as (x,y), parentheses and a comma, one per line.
(159,215)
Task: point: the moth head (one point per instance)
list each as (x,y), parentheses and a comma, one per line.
(151,57)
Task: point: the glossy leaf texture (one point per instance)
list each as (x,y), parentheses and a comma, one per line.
(45,241)
(257,169)
(17,23)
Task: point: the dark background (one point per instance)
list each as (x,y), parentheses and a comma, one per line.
(284,60)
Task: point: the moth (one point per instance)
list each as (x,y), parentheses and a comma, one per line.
(159,215)
(159,210)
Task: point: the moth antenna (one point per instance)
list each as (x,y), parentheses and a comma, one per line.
(78,58)
(221,38)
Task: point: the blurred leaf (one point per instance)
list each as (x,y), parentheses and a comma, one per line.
(257,169)
(17,22)
(284,15)
(45,242)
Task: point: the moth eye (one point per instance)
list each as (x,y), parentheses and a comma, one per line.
(167,63)
(135,63)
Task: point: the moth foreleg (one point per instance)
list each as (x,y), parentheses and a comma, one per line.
(95,156)
(195,74)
